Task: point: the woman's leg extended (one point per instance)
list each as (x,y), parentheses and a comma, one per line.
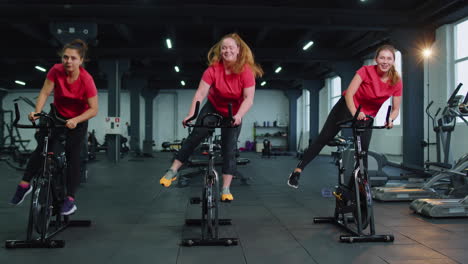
(35,162)
(197,135)
(338,113)
(33,167)
(330,129)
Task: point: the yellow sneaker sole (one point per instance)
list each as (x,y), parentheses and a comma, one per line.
(165,182)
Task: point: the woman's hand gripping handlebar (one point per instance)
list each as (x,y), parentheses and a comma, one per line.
(211,120)
(51,119)
(365,124)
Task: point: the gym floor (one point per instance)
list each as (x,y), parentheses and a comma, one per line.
(135,220)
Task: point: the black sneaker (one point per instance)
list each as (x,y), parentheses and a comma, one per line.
(293,180)
(68,207)
(20,194)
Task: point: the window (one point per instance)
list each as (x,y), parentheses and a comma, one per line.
(335,91)
(461,58)
(306,101)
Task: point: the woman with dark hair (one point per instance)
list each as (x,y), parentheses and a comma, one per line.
(76,101)
(229,79)
(370,88)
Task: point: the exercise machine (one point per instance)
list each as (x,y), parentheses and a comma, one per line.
(353,200)
(444,175)
(209,200)
(48,191)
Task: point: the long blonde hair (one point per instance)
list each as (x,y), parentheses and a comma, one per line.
(393,75)
(245,56)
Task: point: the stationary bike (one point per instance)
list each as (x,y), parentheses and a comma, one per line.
(209,221)
(48,191)
(353,209)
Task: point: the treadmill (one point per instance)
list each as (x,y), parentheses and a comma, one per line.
(441,207)
(444,207)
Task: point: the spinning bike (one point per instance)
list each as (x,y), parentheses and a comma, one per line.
(48,191)
(209,221)
(353,209)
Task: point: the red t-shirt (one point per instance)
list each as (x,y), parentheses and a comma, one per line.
(372,92)
(71,99)
(227,88)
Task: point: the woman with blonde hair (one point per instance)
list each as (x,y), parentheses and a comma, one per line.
(370,88)
(229,79)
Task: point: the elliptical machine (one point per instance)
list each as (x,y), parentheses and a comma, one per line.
(444,175)
(353,208)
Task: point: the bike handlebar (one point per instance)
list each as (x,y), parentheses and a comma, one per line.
(365,124)
(51,120)
(452,99)
(217,122)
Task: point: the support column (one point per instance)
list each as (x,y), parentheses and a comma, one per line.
(3,93)
(413,93)
(292,129)
(114,70)
(313,86)
(346,70)
(148,142)
(135,86)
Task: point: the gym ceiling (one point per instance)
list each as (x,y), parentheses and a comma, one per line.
(276,30)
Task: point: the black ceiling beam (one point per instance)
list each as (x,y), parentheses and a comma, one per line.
(435,9)
(454,16)
(262,34)
(155,11)
(31,32)
(125,32)
(309,18)
(370,39)
(193,54)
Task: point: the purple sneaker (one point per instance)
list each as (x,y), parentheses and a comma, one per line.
(68,206)
(20,194)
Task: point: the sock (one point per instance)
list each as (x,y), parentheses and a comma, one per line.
(170,174)
(225,190)
(24,185)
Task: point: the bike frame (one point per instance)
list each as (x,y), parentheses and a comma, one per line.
(45,239)
(360,179)
(209,225)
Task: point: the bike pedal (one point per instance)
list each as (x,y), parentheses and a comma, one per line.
(195,200)
(338,196)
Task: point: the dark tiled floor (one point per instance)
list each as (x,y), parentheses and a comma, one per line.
(135,220)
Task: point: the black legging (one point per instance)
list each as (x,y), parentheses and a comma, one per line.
(228,142)
(74,139)
(339,113)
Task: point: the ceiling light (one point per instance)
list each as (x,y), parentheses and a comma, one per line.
(39,68)
(20,82)
(176,68)
(169,43)
(263,83)
(427,53)
(278,69)
(308,45)
(182,82)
